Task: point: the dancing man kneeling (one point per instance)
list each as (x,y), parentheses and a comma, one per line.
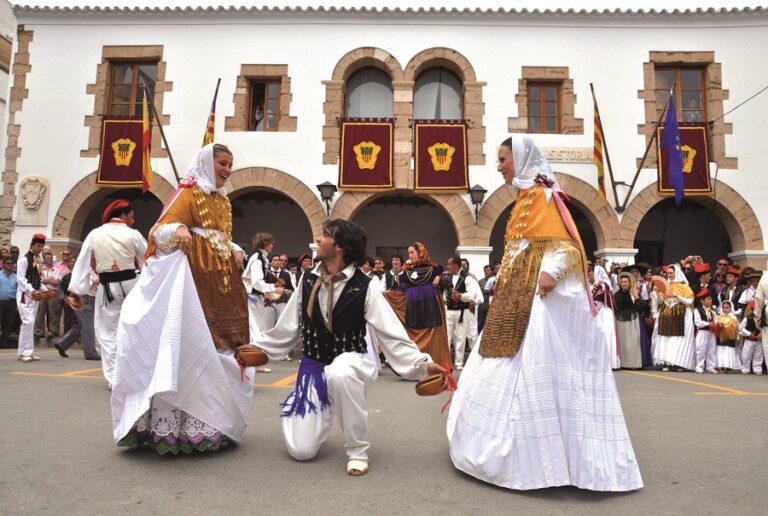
(329,312)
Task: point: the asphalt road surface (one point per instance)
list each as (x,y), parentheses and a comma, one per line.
(701,441)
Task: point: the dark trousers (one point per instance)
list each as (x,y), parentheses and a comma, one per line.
(82,330)
(7,319)
(481,315)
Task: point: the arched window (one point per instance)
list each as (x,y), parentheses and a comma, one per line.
(437,95)
(369,95)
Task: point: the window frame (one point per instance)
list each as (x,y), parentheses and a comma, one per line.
(679,90)
(542,117)
(134,85)
(252,81)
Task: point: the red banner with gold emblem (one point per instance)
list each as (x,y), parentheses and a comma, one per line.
(366,154)
(120,162)
(441,155)
(696,179)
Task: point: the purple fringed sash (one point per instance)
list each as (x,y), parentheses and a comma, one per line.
(311,376)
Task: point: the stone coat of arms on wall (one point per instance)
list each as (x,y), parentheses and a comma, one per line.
(33,208)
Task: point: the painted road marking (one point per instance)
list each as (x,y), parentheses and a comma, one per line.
(286,382)
(720,390)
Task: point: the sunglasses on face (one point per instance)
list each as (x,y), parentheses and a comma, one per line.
(719,264)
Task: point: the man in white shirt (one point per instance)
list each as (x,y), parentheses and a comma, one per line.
(460,291)
(119,252)
(328,313)
(30,287)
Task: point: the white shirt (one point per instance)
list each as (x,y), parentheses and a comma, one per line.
(473,290)
(114,246)
(22,285)
(403,355)
(253,276)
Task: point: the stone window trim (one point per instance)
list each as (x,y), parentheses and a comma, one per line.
(714,96)
(242,96)
(18,93)
(569,124)
(117,53)
(473,106)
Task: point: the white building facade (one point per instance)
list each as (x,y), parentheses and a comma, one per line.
(312,66)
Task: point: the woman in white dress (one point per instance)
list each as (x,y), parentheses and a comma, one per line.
(674,338)
(537,404)
(178,387)
(605,303)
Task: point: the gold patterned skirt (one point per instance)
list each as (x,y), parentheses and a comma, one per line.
(222,295)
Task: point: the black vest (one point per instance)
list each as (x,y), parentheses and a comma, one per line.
(348,320)
(703,315)
(751,326)
(33,274)
(391,281)
(461,287)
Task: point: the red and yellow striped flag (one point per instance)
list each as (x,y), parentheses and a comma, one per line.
(209,129)
(146,142)
(597,158)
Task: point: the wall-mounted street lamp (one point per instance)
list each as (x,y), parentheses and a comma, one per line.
(477,194)
(327,191)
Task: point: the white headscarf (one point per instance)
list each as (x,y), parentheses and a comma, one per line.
(679,275)
(530,162)
(601,275)
(201,170)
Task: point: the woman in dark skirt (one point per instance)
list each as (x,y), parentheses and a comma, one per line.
(419,304)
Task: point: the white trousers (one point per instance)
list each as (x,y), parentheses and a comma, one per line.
(457,333)
(706,351)
(472,332)
(27,314)
(752,353)
(260,318)
(105,321)
(349,377)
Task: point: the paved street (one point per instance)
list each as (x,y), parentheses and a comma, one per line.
(701,442)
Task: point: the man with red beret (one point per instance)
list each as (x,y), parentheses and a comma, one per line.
(732,290)
(27,294)
(703,274)
(705,319)
(118,251)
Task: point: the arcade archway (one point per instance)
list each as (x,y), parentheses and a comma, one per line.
(396,220)
(668,233)
(258,209)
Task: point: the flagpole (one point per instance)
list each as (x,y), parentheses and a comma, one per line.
(160,126)
(648,148)
(605,148)
(212,113)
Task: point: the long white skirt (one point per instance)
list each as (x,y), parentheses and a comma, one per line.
(727,358)
(168,369)
(551,415)
(679,351)
(607,325)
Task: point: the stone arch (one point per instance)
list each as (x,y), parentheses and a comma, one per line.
(582,195)
(440,57)
(83,198)
(474,107)
(732,209)
(362,57)
(274,180)
(453,205)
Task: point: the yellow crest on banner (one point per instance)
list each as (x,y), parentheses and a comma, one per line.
(689,154)
(123,149)
(442,155)
(366,154)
